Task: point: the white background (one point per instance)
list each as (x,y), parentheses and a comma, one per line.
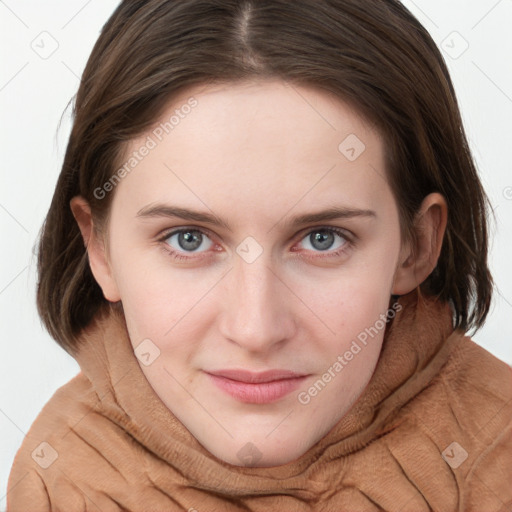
(34,92)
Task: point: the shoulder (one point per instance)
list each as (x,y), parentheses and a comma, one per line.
(478,392)
(465,416)
(476,388)
(50,446)
(473,389)
(469,363)
(66,407)
(82,453)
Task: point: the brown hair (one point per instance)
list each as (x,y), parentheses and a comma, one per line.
(373,54)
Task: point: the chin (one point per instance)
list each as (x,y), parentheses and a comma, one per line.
(261,453)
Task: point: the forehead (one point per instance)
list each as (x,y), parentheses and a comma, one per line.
(268,113)
(265,143)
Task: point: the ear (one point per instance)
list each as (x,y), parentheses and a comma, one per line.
(98,258)
(417,262)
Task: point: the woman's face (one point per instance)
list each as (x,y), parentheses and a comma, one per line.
(255,232)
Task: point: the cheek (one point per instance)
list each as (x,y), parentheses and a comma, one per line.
(352,298)
(164,303)
(151,295)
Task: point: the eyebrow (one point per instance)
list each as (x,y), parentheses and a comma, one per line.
(333,213)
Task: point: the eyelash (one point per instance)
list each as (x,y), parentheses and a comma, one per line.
(349,242)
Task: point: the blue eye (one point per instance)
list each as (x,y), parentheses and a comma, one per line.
(324,239)
(189,240)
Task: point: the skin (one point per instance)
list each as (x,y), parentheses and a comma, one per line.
(256,154)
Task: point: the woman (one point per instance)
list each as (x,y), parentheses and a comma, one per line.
(265,247)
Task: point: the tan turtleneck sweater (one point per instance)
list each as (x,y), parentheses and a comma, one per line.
(431,431)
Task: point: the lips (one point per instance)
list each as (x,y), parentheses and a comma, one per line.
(257,388)
(255,377)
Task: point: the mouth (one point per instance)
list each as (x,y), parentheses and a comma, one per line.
(257,388)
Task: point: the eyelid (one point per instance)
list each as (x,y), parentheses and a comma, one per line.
(164,235)
(351,237)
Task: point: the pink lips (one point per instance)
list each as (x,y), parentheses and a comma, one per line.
(257,388)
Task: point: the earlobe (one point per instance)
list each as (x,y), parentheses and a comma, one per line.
(98,259)
(418,260)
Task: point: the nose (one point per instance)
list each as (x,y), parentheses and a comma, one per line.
(258,312)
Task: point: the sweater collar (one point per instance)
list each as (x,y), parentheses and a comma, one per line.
(417,343)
